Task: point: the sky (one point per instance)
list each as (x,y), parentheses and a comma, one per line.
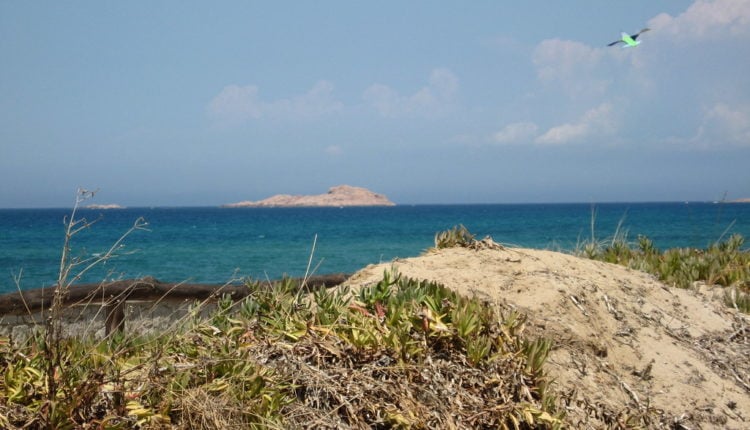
(180,103)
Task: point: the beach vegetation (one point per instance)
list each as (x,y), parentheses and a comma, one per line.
(738,299)
(723,263)
(388,356)
(63,372)
(453,237)
(460,237)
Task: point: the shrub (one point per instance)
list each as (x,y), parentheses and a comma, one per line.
(456,236)
(724,263)
(388,356)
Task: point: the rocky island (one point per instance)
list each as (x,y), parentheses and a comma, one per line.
(104,206)
(342,195)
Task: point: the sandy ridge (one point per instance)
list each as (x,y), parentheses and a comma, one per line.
(625,343)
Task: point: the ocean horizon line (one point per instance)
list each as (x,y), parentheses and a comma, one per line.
(605,202)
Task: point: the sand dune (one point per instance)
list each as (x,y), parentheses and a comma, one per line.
(625,343)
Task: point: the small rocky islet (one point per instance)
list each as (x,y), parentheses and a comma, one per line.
(339,196)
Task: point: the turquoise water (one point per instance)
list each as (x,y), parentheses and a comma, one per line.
(215,245)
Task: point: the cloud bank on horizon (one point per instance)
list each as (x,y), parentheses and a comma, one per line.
(458,109)
(237,104)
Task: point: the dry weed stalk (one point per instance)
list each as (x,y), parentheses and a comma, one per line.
(55,348)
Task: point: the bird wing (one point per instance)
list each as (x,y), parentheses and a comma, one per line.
(622,39)
(635,36)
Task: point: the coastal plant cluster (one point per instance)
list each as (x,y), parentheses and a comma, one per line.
(460,237)
(725,263)
(397,354)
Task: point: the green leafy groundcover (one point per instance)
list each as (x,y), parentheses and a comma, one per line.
(397,354)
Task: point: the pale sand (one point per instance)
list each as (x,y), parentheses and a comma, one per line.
(608,323)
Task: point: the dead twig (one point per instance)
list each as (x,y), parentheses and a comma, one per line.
(578,305)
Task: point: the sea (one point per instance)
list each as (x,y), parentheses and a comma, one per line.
(218,245)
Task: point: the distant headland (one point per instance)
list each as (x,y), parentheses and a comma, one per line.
(745,200)
(342,195)
(107,206)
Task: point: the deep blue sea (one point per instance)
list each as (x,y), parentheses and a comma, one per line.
(215,245)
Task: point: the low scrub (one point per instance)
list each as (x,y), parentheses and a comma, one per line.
(724,263)
(460,237)
(397,354)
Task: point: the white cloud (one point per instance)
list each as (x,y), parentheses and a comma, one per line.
(382,98)
(572,66)
(316,102)
(432,100)
(563,134)
(518,132)
(706,18)
(444,83)
(595,122)
(724,126)
(555,58)
(236,104)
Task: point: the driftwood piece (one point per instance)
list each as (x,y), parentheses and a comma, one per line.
(147,289)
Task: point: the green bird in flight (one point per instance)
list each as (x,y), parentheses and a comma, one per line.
(629,40)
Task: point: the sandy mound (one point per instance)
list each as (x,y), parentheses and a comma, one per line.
(627,346)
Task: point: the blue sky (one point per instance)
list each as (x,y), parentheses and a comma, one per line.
(176,103)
